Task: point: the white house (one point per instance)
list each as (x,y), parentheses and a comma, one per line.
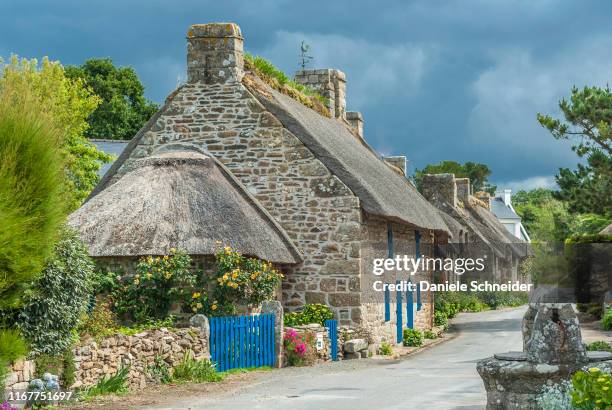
(501,206)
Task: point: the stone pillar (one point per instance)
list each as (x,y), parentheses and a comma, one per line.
(440,188)
(201,321)
(215,53)
(463,189)
(274,306)
(355,119)
(330,83)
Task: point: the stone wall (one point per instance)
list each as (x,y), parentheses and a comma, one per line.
(19,375)
(320,332)
(330,83)
(95,360)
(375,246)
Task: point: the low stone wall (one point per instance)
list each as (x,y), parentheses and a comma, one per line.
(95,360)
(19,375)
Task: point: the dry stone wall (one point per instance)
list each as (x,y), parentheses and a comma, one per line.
(19,375)
(95,360)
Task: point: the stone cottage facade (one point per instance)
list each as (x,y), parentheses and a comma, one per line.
(339,203)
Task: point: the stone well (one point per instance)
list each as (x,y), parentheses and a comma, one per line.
(552,351)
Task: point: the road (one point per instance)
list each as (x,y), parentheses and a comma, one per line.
(443,377)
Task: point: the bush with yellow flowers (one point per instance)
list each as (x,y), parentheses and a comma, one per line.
(243,281)
(160,283)
(592,389)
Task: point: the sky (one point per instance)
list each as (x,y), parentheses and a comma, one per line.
(435,80)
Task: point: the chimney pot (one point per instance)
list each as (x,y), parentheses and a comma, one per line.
(215,53)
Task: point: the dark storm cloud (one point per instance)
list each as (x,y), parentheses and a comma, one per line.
(435,80)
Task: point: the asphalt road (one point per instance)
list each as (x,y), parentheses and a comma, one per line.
(443,377)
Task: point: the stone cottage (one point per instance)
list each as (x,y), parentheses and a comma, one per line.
(474,227)
(312,171)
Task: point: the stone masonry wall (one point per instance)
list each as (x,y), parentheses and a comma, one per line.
(95,360)
(19,375)
(375,246)
(318,212)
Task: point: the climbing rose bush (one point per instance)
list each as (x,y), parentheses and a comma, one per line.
(242,280)
(159,284)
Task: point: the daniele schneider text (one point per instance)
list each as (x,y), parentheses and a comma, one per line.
(404,263)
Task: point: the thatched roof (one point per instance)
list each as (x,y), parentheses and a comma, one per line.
(382,191)
(180,199)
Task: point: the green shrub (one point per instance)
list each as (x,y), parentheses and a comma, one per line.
(385,349)
(12,345)
(600,345)
(592,389)
(62,365)
(49,318)
(101,322)
(412,337)
(117,383)
(595,310)
(440,319)
(606,320)
(310,313)
(193,370)
(159,370)
(428,334)
(159,283)
(33,203)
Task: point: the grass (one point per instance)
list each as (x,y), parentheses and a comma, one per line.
(107,385)
(281,82)
(600,345)
(191,370)
(385,349)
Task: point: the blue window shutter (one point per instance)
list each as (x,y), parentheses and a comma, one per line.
(417,244)
(418,292)
(387,305)
(398,312)
(409,312)
(390,250)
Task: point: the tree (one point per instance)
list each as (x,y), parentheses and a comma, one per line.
(543,216)
(477,173)
(588,120)
(67,103)
(124,109)
(589,188)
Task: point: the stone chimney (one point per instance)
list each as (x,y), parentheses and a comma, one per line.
(484,197)
(398,161)
(355,119)
(463,189)
(507,197)
(328,82)
(440,188)
(215,53)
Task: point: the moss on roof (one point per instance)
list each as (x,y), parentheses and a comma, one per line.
(278,80)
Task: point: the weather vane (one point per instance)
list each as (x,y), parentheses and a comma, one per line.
(304,57)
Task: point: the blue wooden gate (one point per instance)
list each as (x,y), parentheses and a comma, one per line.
(332,325)
(242,341)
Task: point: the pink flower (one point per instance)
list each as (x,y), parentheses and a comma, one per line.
(300,349)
